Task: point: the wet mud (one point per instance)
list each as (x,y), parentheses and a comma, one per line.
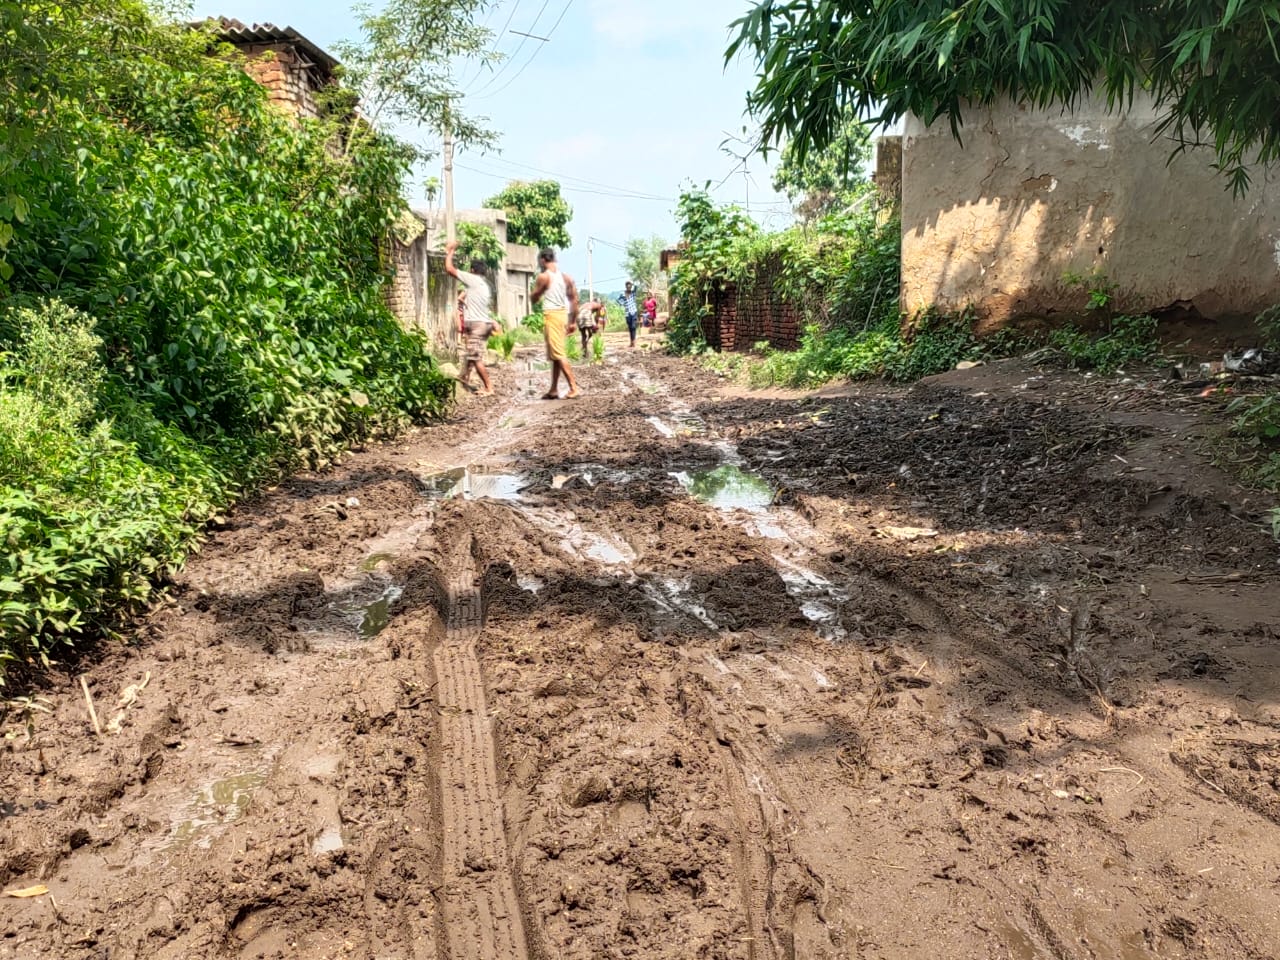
(979,668)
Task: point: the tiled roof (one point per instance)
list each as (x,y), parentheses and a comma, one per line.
(235,32)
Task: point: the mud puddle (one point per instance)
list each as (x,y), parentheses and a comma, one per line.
(748,500)
(674,596)
(473,483)
(579,542)
(820,600)
(661,754)
(196,820)
(728,487)
(375,615)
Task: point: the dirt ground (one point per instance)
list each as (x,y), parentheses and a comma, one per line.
(982,668)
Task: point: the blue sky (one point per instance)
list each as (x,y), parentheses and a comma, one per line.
(644,97)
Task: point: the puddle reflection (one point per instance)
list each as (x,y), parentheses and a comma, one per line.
(473,483)
(728,487)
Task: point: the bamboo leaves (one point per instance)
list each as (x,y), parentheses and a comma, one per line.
(1212,66)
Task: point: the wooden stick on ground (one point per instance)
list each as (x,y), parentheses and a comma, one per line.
(88,698)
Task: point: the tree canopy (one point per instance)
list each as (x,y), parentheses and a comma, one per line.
(825,180)
(642,261)
(478,242)
(536,212)
(1212,66)
(403,66)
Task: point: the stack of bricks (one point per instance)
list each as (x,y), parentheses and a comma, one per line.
(285,80)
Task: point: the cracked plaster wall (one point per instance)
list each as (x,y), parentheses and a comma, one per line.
(995,223)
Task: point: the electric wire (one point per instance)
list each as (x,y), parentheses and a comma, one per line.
(515,53)
(532,56)
(570,187)
(565,177)
(497,37)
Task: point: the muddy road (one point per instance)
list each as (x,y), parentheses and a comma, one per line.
(987,667)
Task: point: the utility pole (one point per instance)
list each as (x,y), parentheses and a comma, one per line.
(591,287)
(450,230)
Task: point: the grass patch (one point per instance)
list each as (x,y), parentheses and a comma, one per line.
(934,346)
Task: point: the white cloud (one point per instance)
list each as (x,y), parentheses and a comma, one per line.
(637,23)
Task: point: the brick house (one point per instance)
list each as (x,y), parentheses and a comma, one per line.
(291,68)
(294,70)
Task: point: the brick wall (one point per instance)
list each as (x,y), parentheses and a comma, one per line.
(748,313)
(286,80)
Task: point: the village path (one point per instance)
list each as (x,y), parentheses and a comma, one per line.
(985,667)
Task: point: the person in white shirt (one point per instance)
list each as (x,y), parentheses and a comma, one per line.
(475,324)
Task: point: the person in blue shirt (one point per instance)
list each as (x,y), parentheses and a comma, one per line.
(628,300)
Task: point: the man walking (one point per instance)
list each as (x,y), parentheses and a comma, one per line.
(555,290)
(474,323)
(628,301)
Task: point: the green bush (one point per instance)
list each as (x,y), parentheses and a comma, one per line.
(86,520)
(478,242)
(233,264)
(504,343)
(879,351)
(1126,340)
(840,273)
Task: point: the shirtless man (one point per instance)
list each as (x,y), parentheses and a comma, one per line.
(555,290)
(474,323)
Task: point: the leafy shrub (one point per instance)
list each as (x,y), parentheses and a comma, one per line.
(841,273)
(1127,340)
(937,344)
(504,343)
(1268,322)
(86,520)
(478,243)
(232,264)
(878,351)
(533,322)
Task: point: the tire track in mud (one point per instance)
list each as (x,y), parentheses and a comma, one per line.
(481,911)
(775,884)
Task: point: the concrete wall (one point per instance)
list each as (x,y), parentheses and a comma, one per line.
(512,280)
(421,295)
(1033,194)
(520,267)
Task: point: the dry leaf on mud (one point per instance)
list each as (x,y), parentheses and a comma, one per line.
(909,533)
(128,697)
(39,890)
(130,693)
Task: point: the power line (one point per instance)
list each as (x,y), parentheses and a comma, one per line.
(570,187)
(537,50)
(610,243)
(496,37)
(638,194)
(515,53)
